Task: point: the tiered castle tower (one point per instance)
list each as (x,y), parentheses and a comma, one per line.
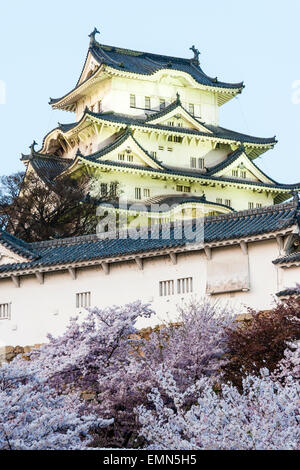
(151,123)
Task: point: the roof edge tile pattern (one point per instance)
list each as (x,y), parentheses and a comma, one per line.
(290,258)
(293,291)
(213,131)
(217,228)
(147,63)
(17,246)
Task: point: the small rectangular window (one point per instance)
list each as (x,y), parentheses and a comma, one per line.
(162,104)
(185,285)
(161,147)
(166,288)
(146,192)
(259,205)
(187,189)
(170,149)
(228,202)
(113,189)
(132,101)
(130,158)
(251,205)
(175,138)
(121,156)
(171,123)
(5,311)
(147,102)
(193,162)
(191,109)
(179,187)
(138,193)
(219,200)
(103,189)
(83,300)
(153,154)
(201,163)
(243,174)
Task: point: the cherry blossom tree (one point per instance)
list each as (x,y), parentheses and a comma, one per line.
(265,416)
(33,416)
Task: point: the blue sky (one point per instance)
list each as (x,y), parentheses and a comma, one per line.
(43,47)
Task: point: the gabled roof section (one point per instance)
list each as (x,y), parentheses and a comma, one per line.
(46,166)
(185,174)
(240,159)
(220,228)
(17,246)
(176,109)
(255,145)
(135,63)
(145,63)
(125,138)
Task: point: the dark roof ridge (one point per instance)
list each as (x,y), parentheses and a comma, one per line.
(17,245)
(207,220)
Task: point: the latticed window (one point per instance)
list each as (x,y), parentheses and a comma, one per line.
(243,174)
(259,205)
(185,285)
(83,300)
(161,147)
(138,193)
(166,288)
(113,189)
(121,156)
(171,123)
(228,202)
(201,163)
(146,192)
(251,205)
(153,154)
(130,158)
(219,200)
(175,138)
(147,102)
(235,173)
(132,101)
(103,189)
(5,310)
(193,162)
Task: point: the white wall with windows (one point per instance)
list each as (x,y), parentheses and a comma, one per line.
(29,312)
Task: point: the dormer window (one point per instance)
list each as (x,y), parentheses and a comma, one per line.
(132,101)
(147,102)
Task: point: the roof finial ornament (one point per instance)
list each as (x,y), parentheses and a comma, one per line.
(196,54)
(93,35)
(178,98)
(32,149)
